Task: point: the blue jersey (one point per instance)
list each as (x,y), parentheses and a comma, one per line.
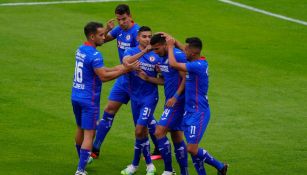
(125,39)
(142,90)
(172,78)
(196,86)
(86,84)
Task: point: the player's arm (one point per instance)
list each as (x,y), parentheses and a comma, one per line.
(155,80)
(171,102)
(128,59)
(171,57)
(107,74)
(109,27)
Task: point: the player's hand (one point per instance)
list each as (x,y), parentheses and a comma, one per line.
(142,75)
(170,41)
(133,66)
(147,49)
(157,68)
(110,24)
(171,102)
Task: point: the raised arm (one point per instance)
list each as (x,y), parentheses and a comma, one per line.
(132,58)
(109,27)
(171,57)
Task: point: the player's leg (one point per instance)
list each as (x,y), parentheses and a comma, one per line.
(180,150)
(197,125)
(90,114)
(141,133)
(163,142)
(79,132)
(117,97)
(155,155)
(105,125)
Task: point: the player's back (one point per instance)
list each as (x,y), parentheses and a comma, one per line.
(196,87)
(86,84)
(172,78)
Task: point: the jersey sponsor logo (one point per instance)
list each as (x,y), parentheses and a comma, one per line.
(146,66)
(164,68)
(123,45)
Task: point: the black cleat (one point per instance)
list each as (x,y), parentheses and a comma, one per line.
(95,153)
(223,171)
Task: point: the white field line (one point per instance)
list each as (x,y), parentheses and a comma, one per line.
(56,2)
(264,12)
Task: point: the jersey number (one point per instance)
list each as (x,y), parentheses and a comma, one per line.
(78,71)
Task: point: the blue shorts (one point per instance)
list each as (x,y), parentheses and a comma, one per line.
(120,91)
(86,115)
(172,117)
(195,124)
(143,112)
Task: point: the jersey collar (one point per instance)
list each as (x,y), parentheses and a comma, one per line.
(86,43)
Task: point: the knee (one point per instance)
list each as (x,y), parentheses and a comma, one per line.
(192,150)
(140,132)
(160,132)
(112,107)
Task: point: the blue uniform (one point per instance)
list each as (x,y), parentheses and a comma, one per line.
(144,95)
(197,108)
(125,39)
(86,86)
(172,116)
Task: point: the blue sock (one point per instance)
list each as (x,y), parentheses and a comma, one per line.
(103,128)
(138,149)
(182,157)
(152,129)
(84,155)
(165,150)
(199,165)
(207,158)
(78,147)
(146,151)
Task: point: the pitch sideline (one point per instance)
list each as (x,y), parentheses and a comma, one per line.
(57,2)
(264,12)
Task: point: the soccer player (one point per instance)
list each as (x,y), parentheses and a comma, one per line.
(125,33)
(144,98)
(89,75)
(172,116)
(197,109)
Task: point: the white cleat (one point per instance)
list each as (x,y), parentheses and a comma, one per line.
(151,169)
(81,173)
(130,170)
(167,173)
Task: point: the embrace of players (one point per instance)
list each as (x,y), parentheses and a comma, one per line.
(146,61)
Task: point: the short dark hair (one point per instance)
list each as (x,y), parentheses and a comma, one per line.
(194,42)
(144,29)
(157,38)
(91,27)
(122,9)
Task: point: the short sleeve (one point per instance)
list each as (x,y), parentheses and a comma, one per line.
(97,61)
(196,66)
(115,32)
(180,56)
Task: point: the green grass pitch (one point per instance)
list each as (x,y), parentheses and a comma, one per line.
(258,85)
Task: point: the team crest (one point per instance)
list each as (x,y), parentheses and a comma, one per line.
(128,37)
(152,58)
